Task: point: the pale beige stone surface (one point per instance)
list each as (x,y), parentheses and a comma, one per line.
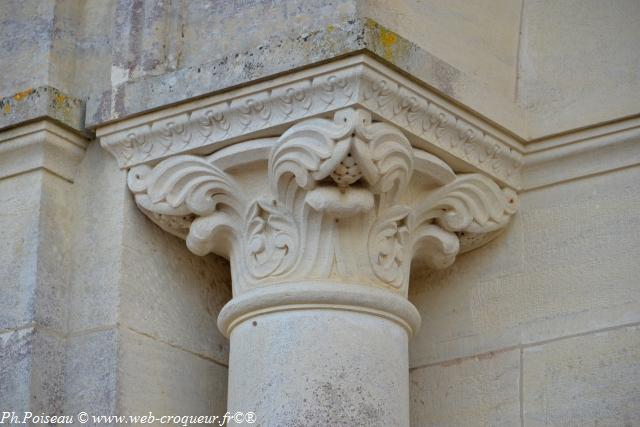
(479,38)
(100,196)
(591,380)
(479,391)
(320,367)
(579,63)
(173,295)
(91,373)
(136,310)
(142,277)
(129,280)
(35,250)
(165,380)
(31,370)
(19,248)
(567,265)
(580,154)
(15,369)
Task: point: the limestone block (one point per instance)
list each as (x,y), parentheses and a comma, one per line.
(175,296)
(479,38)
(160,378)
(170,293)
(97,242)
(572,268)
(54,251)
(137,274)
(35,249)
(93,29)
(578,63)
(91,370)
(31,371)
(591,380)
(47,371)
(25,29)
(207,24)
(480,391)
(289,50)
(445,300)
(15,369)
(18,249)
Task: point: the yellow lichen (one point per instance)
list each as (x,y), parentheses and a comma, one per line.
(388,40)
(60,99)
(22,95)
(384,38)
(330,28)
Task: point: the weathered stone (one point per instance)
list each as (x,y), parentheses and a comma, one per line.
(290,50)
(567,265)
(31,371)
(159,378)
(479,391)
(103,311)
(43,102)
(478,38)
(590,380)
(578,63)
(173,295)
(15,369)
(92,372)
(35,283)
(97,242)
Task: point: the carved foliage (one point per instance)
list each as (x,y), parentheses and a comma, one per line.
(360,158)
(271,240)
(389,241)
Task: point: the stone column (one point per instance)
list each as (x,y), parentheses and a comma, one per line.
(321,225)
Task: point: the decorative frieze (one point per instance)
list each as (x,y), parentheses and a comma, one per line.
(432,122)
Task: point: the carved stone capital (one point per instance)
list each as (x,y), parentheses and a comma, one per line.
(343,199)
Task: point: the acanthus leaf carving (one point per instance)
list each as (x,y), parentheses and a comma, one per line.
(349,149)
(270,240)
(184,185)
(389,241)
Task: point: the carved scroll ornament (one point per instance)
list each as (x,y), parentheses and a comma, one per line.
(347,199)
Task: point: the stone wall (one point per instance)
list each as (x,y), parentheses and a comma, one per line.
(141,303)
(102,311)
(542,324)
(537,68)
